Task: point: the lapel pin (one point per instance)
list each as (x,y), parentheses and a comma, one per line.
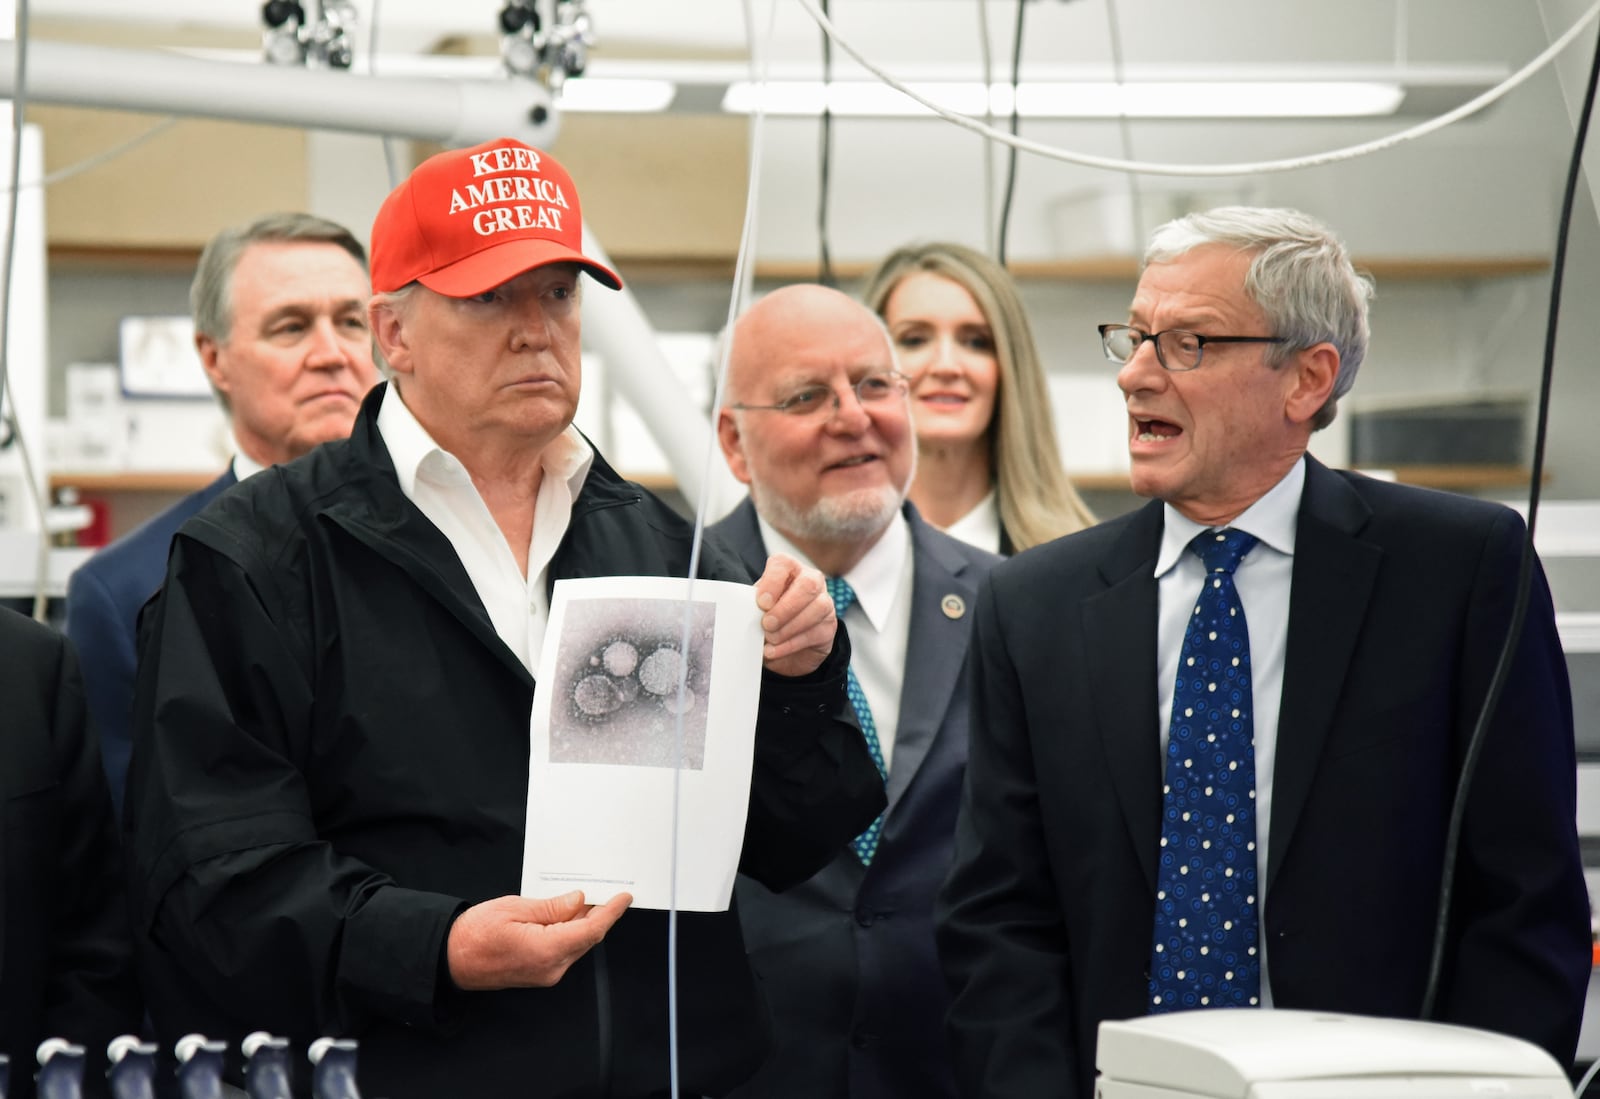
(953,606)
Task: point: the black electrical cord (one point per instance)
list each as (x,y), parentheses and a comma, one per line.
(1519,610)
(825,163)
(1011,156)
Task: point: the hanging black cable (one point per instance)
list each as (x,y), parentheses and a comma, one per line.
(1525,571)
(1011,158)
(825,162)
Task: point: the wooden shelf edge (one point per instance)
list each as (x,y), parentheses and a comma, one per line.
(656,269)
(1455,477)
(144,258)
(131,481)
(1085,269)
(1399,268)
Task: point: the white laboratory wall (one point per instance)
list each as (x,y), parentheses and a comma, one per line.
(348,176)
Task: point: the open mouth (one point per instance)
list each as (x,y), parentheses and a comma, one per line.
(1154,431)
(852,463)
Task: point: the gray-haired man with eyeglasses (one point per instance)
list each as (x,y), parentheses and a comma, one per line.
(1215,741)
(818,424)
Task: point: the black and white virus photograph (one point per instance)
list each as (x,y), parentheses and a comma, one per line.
(624,678)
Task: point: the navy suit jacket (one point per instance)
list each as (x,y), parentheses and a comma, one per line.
(846,959)
(103,600)
(66,955)
(1400,600)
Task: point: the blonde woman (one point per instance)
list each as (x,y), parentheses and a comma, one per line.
(988,467)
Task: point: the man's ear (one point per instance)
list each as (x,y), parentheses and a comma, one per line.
(1315,370)
(210,352)
(732,441)
(389,333)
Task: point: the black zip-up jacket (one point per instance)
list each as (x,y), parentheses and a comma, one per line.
(331,762)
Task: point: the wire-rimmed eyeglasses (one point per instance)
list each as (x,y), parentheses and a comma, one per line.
(1177,349)
(818,399)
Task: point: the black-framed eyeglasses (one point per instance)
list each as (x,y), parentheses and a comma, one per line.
(1177,349)
(872,389)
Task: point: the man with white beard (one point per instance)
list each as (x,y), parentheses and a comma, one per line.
(818,424)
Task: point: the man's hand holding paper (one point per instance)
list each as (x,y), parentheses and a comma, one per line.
(526,942)
(797,617)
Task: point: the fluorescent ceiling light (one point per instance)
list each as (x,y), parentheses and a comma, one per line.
(1077,99)
(1320,99)
(601,94)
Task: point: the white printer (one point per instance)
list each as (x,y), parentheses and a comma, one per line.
(1253,1054)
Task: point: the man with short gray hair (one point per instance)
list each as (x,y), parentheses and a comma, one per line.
(280,321)
(1216,741)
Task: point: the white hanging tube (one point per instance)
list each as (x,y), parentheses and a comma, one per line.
(615,326)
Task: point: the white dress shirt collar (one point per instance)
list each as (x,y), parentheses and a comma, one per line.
(567,458)
(981,526)
(440,486)
(875,578)
(245,466)
(879,622)
(1271,519)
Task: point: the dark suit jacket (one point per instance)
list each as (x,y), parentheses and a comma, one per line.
(846,960)
(65,951)
(1399,606)
(103,600)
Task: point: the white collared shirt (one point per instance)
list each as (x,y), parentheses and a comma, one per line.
(981,526)
(245,466)
(1263,582)
(879,621)
(440,486)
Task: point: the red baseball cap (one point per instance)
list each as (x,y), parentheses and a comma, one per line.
(467,220)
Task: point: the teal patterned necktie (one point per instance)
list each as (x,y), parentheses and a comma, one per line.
(1205,948)
(866,844)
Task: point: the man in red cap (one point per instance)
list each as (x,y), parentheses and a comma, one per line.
(330,778)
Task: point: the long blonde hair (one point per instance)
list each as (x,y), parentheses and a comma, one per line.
(1036,498)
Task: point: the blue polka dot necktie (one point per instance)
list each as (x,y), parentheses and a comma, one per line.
(866,844)
(1205,951)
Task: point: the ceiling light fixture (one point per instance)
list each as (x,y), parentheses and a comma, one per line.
(615,96)
(1077,99)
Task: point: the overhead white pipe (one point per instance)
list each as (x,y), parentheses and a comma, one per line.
(451,112)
